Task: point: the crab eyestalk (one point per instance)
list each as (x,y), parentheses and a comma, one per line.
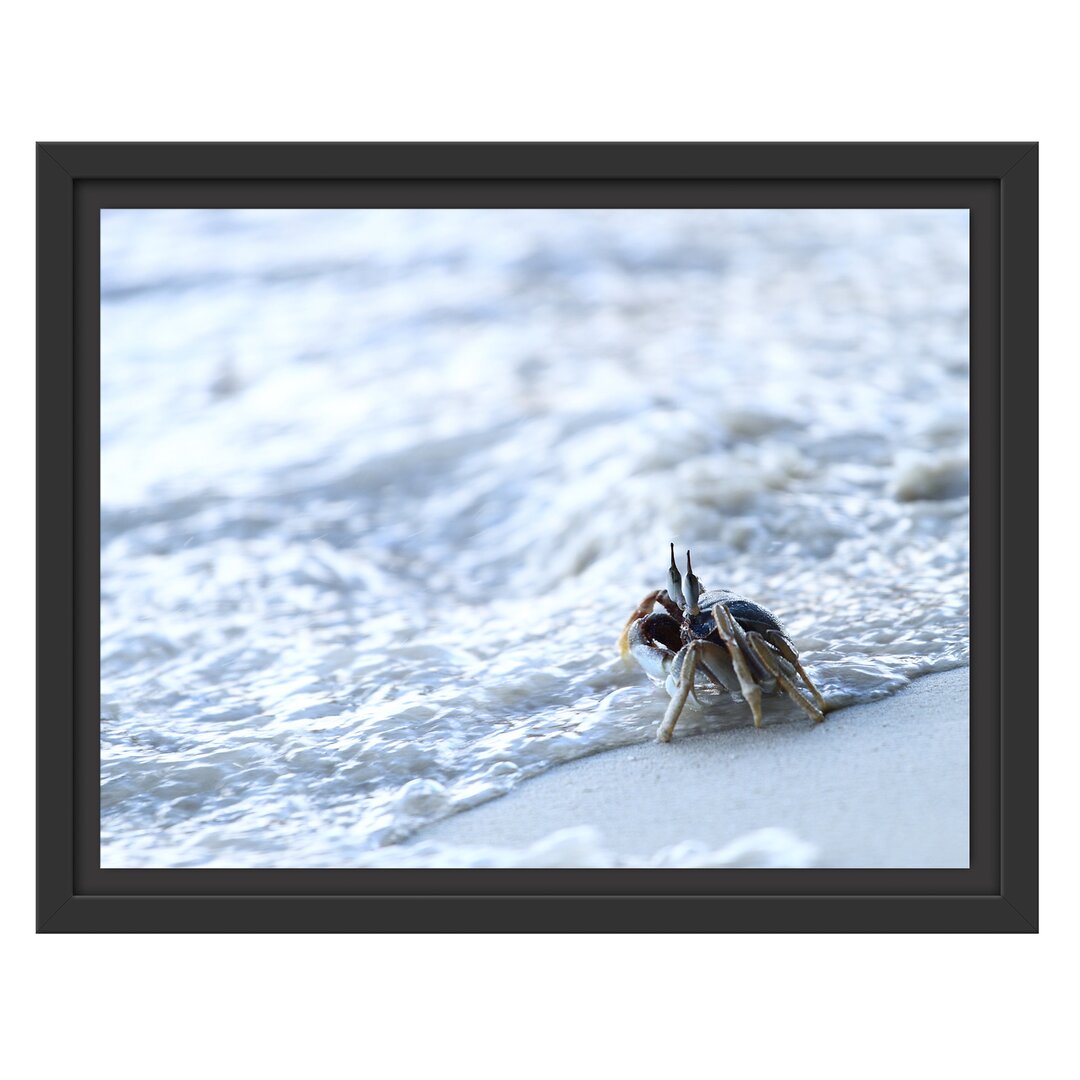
(675,590)
(691,589)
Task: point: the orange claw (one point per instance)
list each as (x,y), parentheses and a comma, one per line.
(643,609)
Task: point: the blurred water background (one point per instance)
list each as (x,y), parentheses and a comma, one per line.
(380,487)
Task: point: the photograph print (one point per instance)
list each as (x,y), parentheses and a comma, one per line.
(534,538)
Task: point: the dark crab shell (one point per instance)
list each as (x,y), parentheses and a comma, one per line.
(746,613)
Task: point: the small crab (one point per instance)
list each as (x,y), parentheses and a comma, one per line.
(737,644)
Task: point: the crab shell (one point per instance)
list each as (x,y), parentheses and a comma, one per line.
(746,613)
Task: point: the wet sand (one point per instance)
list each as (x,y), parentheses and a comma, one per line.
(882,784)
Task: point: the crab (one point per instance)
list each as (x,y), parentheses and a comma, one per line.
(737,644)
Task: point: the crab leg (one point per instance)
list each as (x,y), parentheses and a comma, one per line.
(731,633)
(787,651)
(716,663)
(765,655)
(683,683)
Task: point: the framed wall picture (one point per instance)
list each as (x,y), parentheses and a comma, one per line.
(536,537)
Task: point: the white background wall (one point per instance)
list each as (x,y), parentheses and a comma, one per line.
(214,1006)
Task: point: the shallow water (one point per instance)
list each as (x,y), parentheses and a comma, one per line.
(379,489)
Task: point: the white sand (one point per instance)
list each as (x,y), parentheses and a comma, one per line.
(877,785)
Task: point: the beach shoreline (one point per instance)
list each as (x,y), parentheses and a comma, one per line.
(879,784)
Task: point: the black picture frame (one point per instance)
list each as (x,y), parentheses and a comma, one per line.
(997,181)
